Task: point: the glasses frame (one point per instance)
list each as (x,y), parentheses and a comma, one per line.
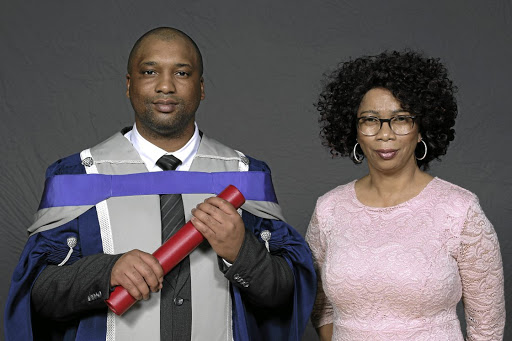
(388,120)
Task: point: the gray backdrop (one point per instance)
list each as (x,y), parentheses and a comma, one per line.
(62,89)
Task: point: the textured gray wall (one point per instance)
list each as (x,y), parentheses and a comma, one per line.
(62,85)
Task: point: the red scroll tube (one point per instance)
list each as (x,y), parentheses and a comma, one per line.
(173,251)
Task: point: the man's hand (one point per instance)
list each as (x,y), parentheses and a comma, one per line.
(219,222)
(139,273)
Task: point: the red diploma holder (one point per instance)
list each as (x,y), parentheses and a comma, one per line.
(173,251)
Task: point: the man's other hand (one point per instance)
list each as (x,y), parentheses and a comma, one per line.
(219,222)
(139,273)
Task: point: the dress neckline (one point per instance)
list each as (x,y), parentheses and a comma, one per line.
(405,203)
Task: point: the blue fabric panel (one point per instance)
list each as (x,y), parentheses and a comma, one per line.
(50,247)
(288,323)
(90,189)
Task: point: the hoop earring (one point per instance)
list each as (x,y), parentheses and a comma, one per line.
(425,153)
(357,160)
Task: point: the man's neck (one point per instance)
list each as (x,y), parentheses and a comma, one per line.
(168,143)
(150,153)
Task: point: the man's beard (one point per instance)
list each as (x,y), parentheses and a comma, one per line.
(172,127)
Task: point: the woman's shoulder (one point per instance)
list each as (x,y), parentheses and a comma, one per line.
(453,200)
(451,191)
(337,194)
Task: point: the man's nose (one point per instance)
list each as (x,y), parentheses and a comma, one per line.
(166,84)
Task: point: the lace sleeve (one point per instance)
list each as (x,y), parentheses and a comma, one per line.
(481,272)
(322,310)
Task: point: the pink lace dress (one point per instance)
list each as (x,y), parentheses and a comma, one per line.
(397,273)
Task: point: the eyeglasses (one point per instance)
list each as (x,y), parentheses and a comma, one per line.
(371,125)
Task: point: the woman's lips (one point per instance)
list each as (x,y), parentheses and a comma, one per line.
(386,154)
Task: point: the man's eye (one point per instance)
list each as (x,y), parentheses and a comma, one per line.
(182,73)
(149,72)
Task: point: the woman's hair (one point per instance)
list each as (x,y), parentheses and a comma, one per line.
(421,85)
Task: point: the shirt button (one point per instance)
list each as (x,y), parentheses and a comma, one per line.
(178,301)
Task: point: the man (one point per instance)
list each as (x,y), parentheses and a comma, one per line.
(252,279)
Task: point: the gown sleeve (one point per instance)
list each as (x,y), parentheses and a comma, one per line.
(315,236)
(481,272)
(288,321)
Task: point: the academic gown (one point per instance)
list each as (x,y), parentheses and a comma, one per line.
(249,322)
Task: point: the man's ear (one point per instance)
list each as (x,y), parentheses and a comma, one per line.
(128,85)
(202,88)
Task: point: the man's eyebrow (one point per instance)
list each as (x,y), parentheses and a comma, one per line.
(153,63)
(149,63)
(183,65)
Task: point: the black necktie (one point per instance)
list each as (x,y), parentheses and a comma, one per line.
(171,205)
(175,305)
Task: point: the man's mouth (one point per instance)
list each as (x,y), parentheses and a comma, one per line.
(165,105)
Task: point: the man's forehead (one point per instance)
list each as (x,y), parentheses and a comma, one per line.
(165,44)
(152,46)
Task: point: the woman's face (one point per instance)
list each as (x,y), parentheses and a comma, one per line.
(386,152)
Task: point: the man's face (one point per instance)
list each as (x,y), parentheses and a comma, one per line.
(165,87)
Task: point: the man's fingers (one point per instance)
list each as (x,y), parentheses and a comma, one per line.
(140,286)
(222,205)
(215,212)
(205,230)
(205,213)
(155,266)
(143,275)
(139,273)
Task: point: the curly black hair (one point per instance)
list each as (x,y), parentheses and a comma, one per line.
(420,84)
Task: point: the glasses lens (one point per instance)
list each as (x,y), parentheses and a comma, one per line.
(402,125)
(369,125)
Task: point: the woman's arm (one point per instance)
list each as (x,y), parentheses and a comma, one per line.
(325,332)
(481,272)
(322,314)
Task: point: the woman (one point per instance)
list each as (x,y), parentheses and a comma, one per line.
(397,249)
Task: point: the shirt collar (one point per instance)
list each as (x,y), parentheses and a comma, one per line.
(150,153)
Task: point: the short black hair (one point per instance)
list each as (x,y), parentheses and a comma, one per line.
(420,84)
(164,33)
